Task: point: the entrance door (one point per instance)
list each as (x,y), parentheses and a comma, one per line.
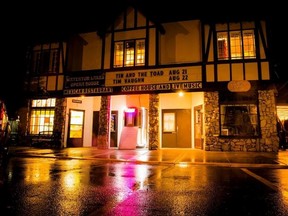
(176,128)
(75,128)
(114,129)
(198,127)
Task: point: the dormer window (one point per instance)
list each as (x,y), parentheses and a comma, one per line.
(129,53)
(236,45)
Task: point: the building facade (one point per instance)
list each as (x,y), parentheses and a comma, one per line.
(196,84)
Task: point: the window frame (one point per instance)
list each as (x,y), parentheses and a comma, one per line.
(229,122)
(236,44)
(46,59)
(42,116)
(129,53)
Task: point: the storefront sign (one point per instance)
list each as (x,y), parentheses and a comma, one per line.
(165,79)
(239,86)
(154,76)
(87,81)
(87,91)
(85,84)
(76,101)
(162,87)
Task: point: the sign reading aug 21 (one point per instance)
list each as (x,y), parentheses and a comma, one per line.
(141,80)
(136,77)
(166,75)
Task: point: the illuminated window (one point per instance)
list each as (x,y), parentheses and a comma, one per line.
(236,45)
(140,52)
(76,124)
(118,54)
(129,53)
(50,102)
(42,116)
(222,40)
(249,44)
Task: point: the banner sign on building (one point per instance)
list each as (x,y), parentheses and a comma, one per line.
(86,81)
(162,87)
(164,79)
(86,84)
(154,76)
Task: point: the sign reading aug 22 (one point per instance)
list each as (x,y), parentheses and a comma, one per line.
(166,75)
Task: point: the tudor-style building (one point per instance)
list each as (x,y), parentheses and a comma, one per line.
(142,84)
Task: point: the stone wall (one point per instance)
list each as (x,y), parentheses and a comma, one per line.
(59,119)
(153,121)
(268,140)
(268,112)
(104,120)
(211,121)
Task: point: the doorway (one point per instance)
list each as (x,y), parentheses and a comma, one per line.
(176,128)
(114,129)
(75,128)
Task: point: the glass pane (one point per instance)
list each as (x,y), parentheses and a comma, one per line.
(169,122)
(235,45)
(76,117)
(222,43)
(118,54)
(50,102)
(140,52)
(129,53)
(75,131)
(41,120)
(249,44)
(239,120)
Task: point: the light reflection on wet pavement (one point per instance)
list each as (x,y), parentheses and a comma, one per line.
(70,186)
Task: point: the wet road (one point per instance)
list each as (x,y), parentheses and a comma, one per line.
(51,186)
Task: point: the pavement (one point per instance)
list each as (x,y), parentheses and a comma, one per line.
(161,156)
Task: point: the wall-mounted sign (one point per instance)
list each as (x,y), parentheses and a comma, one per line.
(150,80)
(154,76)
(239,86)
(85,83)
(162,87)
(87,91)
(76,101)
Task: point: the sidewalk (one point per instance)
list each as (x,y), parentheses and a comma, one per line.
(161,156)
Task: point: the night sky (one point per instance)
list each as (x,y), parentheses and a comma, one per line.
(25,22)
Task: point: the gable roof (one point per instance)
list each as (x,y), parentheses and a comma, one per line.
(86,17)
(122,10)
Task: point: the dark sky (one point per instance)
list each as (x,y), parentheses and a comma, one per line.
(28,20)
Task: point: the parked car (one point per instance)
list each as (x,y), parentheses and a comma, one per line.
(282,130)
(285,129)
(5,129)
